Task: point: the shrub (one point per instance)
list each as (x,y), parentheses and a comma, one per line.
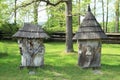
(8,29)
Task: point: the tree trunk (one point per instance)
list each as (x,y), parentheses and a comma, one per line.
(103,15)
(36,4)
(95,7)
(79,17)
(69,33)
(117,16)
(107,16)
(15,13)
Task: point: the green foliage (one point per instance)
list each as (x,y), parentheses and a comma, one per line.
(50,30)
(58,65)
(4,14)
(8,29)
(25,13)
(56,19)
(56,16)
(111,27)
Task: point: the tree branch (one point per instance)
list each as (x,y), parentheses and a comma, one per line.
(53,4)
(27,4)
(47,1)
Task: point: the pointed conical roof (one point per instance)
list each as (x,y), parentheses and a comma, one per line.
(30,31)
(90,28)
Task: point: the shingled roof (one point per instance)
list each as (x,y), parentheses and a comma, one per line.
(30,31)
(90,28)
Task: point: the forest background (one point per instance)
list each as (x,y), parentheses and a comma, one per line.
(14,13)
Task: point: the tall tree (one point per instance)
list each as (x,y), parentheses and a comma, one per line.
(103,25)
(4,13)
(107,16)
(15,12)
(26,13)
(95,7)
(56,15)
(69,33)
(36,5)
(79,17)
(117,16)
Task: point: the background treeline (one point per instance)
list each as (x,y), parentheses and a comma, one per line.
(13,13)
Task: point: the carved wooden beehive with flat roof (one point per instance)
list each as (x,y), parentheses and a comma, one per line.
(30,39)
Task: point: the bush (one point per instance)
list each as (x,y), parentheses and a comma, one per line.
(8,29)
(50,30)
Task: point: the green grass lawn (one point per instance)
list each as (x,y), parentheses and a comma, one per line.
(58,64)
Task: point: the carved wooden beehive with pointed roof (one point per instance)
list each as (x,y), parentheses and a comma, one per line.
(89,37)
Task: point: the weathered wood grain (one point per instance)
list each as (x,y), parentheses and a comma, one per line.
(89,53)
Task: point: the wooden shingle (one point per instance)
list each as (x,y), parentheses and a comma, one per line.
(89,28)
(30,31)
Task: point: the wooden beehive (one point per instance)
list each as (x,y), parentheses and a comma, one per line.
(30,39)
(89,37)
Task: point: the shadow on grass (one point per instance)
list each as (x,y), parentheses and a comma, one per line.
(67,71)
(111,67)
(111,55)
(111,45)
(3,55)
